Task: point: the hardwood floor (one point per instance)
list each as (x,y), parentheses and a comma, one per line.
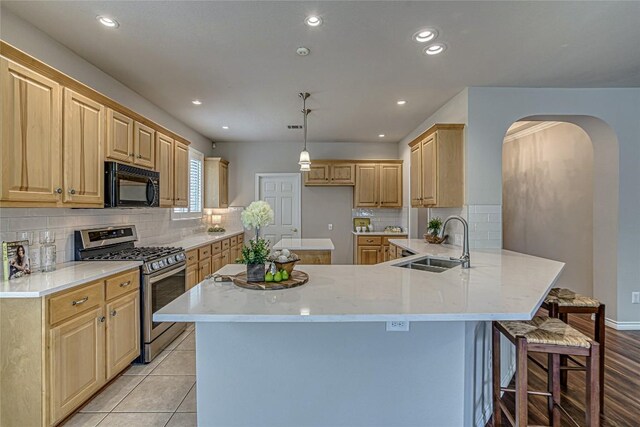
(622,382)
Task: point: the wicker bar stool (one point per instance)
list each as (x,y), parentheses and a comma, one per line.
(560,303)
(548,335)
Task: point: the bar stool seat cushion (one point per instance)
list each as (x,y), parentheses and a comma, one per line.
(568,298)
(547,330)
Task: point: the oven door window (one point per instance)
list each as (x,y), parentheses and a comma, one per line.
(166,290)
(135,191)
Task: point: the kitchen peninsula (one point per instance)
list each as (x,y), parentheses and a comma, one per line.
(323,349)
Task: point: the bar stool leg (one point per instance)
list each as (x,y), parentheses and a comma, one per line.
(563,359)
(522,413)
(592,410)
(553,382)
(599,337)
(495,358)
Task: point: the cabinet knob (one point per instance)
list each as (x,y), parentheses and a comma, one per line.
(113,313)
(102,319)
(130,154)
(72,191)
(58,190)
(139,156)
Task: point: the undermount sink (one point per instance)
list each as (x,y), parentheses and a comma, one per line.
(431,264)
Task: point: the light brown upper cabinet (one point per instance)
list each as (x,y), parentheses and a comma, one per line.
(437,162)
(328,172)
(164,165)
(216,182)
(31,137)
(180,175)
(119,137)
(143,145)
(378,185)
(83,142)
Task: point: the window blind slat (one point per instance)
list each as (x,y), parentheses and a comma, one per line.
(196,161)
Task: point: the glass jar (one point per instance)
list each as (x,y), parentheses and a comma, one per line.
(47,250)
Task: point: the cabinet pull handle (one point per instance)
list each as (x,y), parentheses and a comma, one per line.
(125,284)
(80,301)
(113,313)
(190,258)
(369,241)
(58,190)
(102,319)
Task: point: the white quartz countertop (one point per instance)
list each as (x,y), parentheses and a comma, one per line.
(379,233)
(201,239)
(65,276)
(305,245)
(500,285)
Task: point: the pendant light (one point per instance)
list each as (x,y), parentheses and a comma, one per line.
(305,160)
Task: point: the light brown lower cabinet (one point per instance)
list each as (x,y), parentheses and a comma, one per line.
(375,249)
(192,276)
(314,257)
(204,269)
(207,259)
(59,350)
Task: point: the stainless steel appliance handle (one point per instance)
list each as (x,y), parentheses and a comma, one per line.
(154,279)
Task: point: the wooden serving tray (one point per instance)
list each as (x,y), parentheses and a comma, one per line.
(297,278)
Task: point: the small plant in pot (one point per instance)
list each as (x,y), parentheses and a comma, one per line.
(433,231)
(255,254)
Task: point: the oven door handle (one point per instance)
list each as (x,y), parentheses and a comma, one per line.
(155,279)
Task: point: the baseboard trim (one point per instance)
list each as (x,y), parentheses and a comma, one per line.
(622,326)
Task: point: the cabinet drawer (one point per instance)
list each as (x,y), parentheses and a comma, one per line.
(192,257)
(369,240)
(123,283)
(225,244)
(204,252)
(240,239)
(75,302)
(216,248)
(385,239)
(233,241)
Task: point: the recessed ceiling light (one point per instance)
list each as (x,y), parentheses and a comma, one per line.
(225,127)
(401,102)
(425,35)
(313,20)
(303,51)
(108,22)
(435,49)
(381,135)
(196,102)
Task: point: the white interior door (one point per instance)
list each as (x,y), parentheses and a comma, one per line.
(282,192)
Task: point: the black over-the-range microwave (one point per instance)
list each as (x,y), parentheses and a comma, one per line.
(130,187)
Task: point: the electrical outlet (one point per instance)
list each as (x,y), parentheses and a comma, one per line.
(397,326)
(330,226)
(635,297)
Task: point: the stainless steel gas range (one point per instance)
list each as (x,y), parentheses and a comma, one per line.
(162,278)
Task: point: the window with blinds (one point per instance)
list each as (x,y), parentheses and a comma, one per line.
(196,179)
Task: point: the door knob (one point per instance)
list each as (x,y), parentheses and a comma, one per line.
(295,230)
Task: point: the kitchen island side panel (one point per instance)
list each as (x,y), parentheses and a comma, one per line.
(330,374)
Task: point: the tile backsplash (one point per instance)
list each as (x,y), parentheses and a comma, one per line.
(381,218)
(485,225)
(154,225)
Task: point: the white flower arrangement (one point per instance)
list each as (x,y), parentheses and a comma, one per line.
(257,214)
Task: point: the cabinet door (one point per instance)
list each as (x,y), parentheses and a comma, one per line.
(164,165)
(144,140)
(119,137)
(318,175)
(204,269)
(226,257)
(180,175)
(366,190)
(224,185)
(192,276)
(386,253)
(343,174)
(429,171)
(123,332)
(83,163)
(31,138)
(390,185)
(77,365)
(368,255)
(216,262)
(416,176)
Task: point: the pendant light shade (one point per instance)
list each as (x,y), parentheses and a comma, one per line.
(305,159)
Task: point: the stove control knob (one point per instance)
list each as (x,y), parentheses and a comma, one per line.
(171,259)
(181,257)
(154,266)
(162,263)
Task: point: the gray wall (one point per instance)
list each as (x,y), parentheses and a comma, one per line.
(547,200)
(34,42)
(320,205)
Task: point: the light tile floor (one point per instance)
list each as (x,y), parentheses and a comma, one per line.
(159,394)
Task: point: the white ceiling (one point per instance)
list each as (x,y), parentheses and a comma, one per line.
(239,57)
